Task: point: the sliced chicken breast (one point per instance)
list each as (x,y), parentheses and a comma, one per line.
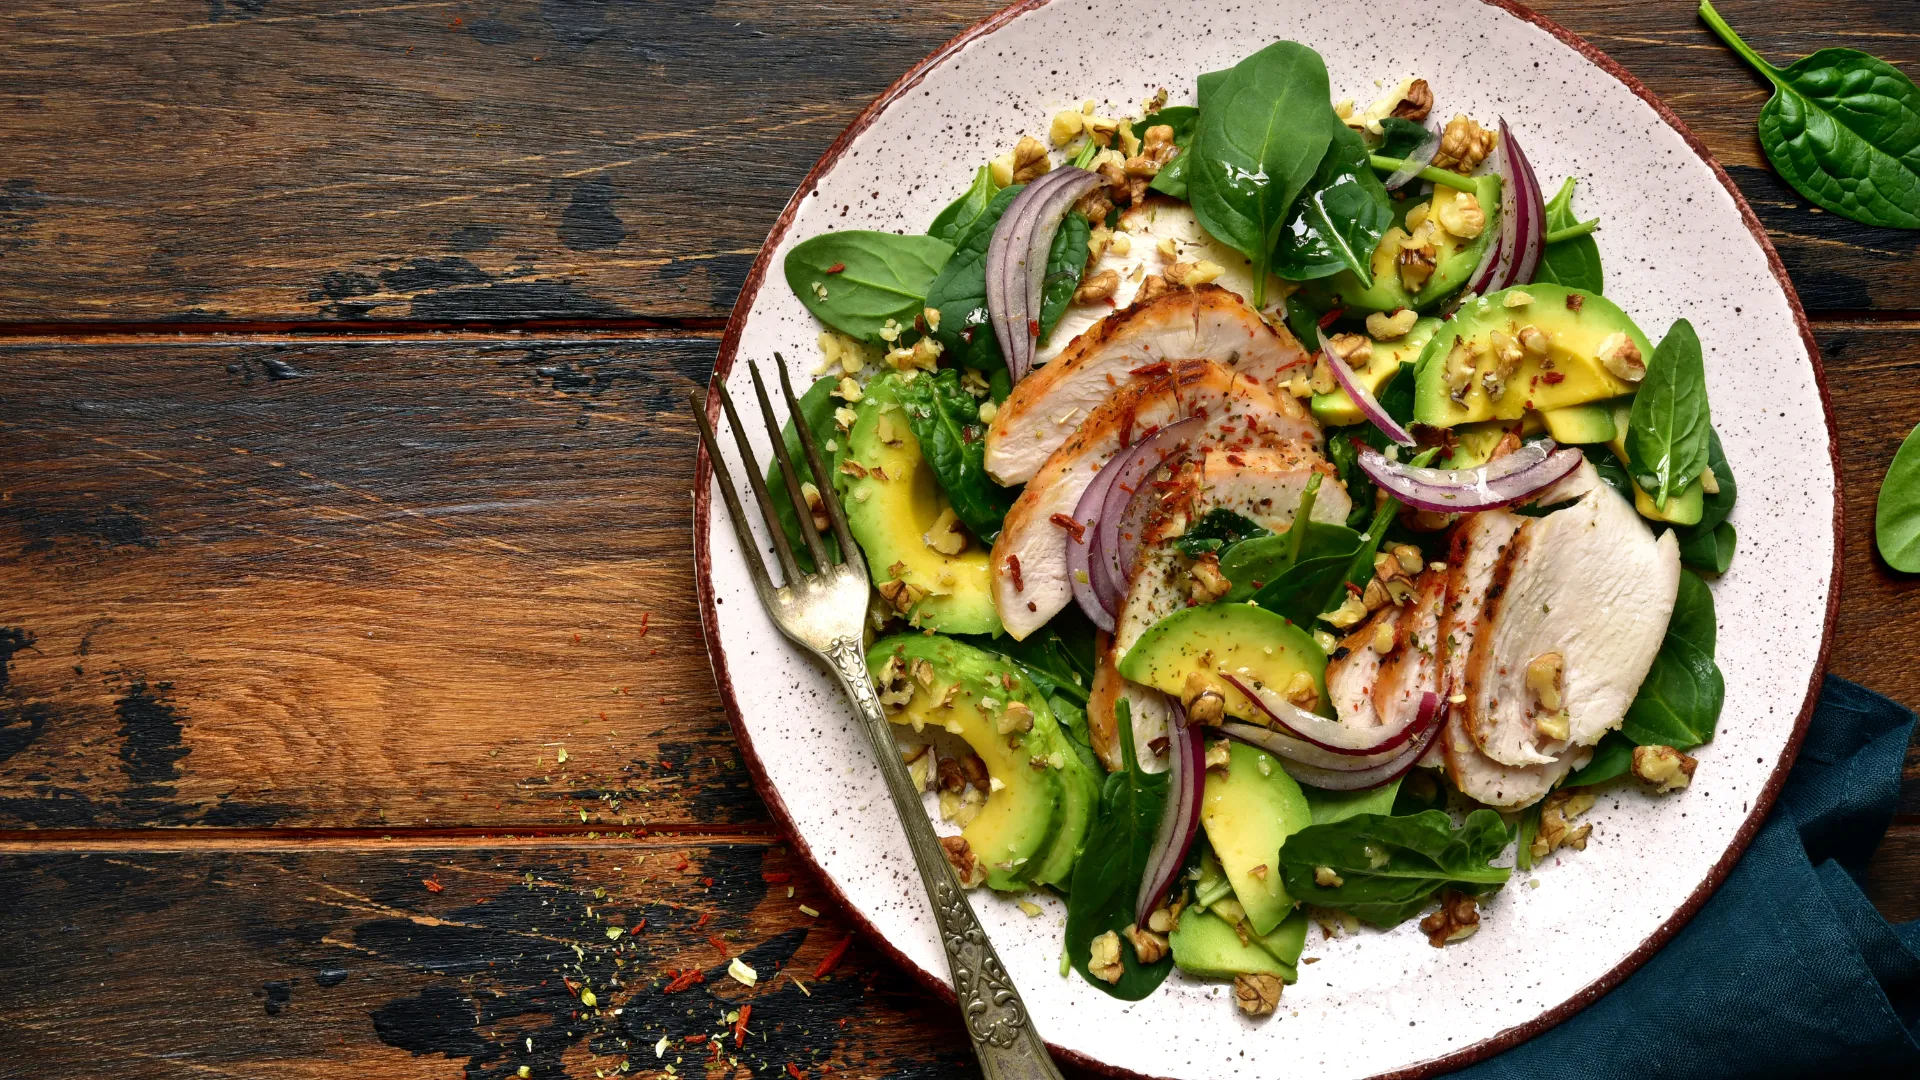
(1201,323)
(1030,555)
(1354,668)
(1264,484)
(1591,584)
(1415,666)
(1509,787)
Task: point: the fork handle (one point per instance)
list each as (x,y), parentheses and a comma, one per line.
(997,1021)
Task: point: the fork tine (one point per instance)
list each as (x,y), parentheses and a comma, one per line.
(756,565)
(800,508)
(849,551)
(787,565)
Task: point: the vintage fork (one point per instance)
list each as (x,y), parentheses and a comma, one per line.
(825,612)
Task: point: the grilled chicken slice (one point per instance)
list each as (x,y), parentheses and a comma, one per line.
(1264,484)
(1508,787)
(1147,708)
(1135,253)
(1354,669)
(1591,584)
(1035,534)
(1201,323)
(1415,666)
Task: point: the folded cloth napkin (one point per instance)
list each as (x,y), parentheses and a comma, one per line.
(1788,970)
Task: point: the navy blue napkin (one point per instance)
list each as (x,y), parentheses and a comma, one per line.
(1788,970)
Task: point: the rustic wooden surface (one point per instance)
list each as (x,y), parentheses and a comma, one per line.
(347,465)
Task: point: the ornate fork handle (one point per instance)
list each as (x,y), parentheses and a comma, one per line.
(996,1019)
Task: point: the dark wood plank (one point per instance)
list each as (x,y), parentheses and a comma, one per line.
(343,963)
(246,160)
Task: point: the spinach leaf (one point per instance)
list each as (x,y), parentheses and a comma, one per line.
(1896,513)
(1668,432)
(946,421)
(1340,217)
(953,222)
(1301,592)
(1172,177)
(816,411)
(1344,452)
(1391,866)
(855,280)
(1263,130)
(1611,757)
(1525,830)
(1059,657)
(1400,136)
(1843,128)
(960,292)
(1708,544)
(1217,529)
(1066,260)
(1709,552)
(1107,877)
(1251,565)
(1575,261)
(1340,805)
(1679,703)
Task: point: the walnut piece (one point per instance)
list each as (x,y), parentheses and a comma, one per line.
(1100,286)
(1354,349)
(1209,584)
(1385,327)
(1416,265)
(1556,815)
(960,856)
(1153,286)
(1417,103)
(1457,919)
(948,536)
(1147,945)
(1462,216)
(1622,357)
(1664,766)
(1463,145)
(1256,995)
(1203,700)
(952,777)
(1105,963)
(1030,161)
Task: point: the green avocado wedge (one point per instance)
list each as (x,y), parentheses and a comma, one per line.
(1248,810)
(1206,945)
(1254,644)
(1454,257)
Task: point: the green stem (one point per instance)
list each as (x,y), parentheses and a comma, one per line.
(1430,174)
(1362,562)
(1572,231)
(1297,532)
(1086,155)
(1719,25)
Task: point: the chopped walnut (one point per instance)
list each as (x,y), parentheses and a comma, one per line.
(1462,216)
(1544,674)
(1302,692)
(1095,205)
(1535,341)
(1622,357)
(1458,918)
(816,508)
(1459,369)
(1417,103)
(1148,946)
(1463,145)
(1322,381)
(902,595)
(1203,700)
(1556,814)
(1030,161)
(1664,766)
(1194,273)
(960,856)
(1375,597)
(1501,356)
(1416,265)
(975,771)
(1153,286)
(1015,718)
(1219,754)
(1324,877)
(1350,611)
(948,536)
(1208,583)
(1066,127)
(892,683)
(1161,921)
(1104,963)
(1256,995)
(1354,349)
(1385,327)
(951,776)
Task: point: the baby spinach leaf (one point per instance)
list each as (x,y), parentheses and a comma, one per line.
(946,422)
(1389,867)
(816,411)
(1524,831)
(1708,545)
(1059,657)
(1612,756)
(1301,592)
(1107,877)
(855,280)
(1340,805)
(1066,259)
(1896,515)
(1262,132)
(1340,217)
(953,222)
(1575,261)
(1709,552)
(1217,529)
(1400,136)
(1679,703)
(960,292)
(1344,451)
(1251,565)
(1668,433)
(1843,128)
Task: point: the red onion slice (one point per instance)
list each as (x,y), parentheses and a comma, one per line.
(1017,260)
(1345,780)
(1514,255)
(1362,398)
(1332,739)
(1420,158)
(1120,524)
(1501,482)
(1180,821)
(1095,596)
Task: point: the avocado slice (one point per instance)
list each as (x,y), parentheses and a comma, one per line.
(1454,259)
(1580,424)
(893,501)
(1213,884)
(1338,410)
(1028,829)
(1207,945)
(1576,323)
(1255,644)
(1685,508)
(1473,443)
(1248,810)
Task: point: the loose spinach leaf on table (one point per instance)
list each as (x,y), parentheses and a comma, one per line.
(1670,427)
(816,411)
(1843,128)
(1339,219)
(953,222)
(1262,132)
(1391,866)
(1172,177)
(1106,880)
(946,422)
(1612,756)
(1896,515)
(1679,702)
(1400,136)
(1217,528)
(1575,261)
(855,280)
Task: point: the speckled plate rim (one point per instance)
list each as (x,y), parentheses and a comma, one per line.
(1513,1036)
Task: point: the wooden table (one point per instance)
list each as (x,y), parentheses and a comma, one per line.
(354,701)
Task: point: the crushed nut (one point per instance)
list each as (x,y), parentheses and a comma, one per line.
(816,508)
(1202,699)
(1500,358)
(1417,103)
(892,684)
(1219,754)
(1104,963)
(1535,341)
(848,390)
(1556,814)
(1350,611)
(1256,995)
(1408,557)
(988,410)
(960,856)
(1458,918)
(1416,265)
(1664,766)
(1016,717)
(1194,273)
(1148,946)
(1208,583)
(947,536)
(1325,877)
(1066,127)
(1161,921)
(1375,597)
(1100,286)
(950,776)
(1516,298)
(1385,327)
(1544,673)
(1709,481)
(902,595)
(1030,161)
(1622,357)
(1462,215)
(1153,286)
(975,771)
(1302,692)
(1354,349)
(1554,726)
(1459,369)
(1463,145)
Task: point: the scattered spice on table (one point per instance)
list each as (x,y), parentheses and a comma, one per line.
(832,959)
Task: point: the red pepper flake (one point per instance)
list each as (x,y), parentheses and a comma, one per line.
(697,1039)
(1236,461)
(1553,378)
(639,926)
(683,980)
(832,959)
(725,954)
(644,616)
(1074,528)
(1033,331)
(740,1025)
(836,268)
(776,877)
(603,717)
(794,1071)
(1013,568)
(707,881)
(705,918)
(434,886)
(683,865)
(1331,317)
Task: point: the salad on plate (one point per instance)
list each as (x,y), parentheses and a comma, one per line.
(1271,520)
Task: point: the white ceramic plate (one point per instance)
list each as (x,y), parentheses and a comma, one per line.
(1677,241)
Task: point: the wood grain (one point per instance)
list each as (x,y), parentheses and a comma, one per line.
(245,161)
